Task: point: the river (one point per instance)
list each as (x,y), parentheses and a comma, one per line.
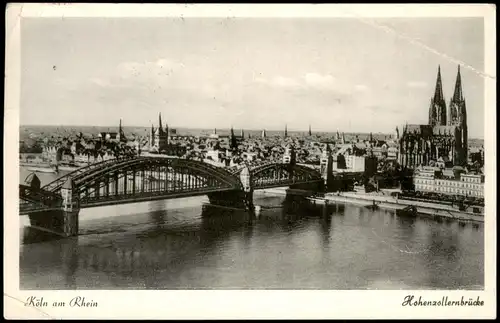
(180,244)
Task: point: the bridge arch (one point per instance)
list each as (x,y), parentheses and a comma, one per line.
(56,185)
(281,174)
(148,178)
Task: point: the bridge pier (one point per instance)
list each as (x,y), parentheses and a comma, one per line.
(313,187)
(59,222)
(70,211)
(70,222)
(232,199)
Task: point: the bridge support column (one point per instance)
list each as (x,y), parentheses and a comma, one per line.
(70,223)
(230,199)
(248,188)
(70,210)
(58,222)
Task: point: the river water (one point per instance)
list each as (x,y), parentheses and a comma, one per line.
(181,244)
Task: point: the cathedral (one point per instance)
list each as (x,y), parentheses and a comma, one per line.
(444,139)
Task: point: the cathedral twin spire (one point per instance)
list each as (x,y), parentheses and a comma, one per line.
(438,112)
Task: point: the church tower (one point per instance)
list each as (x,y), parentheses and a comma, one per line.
(437,109)
(160,128)
(286,132)
(233,143)
(458,116)
(121,133)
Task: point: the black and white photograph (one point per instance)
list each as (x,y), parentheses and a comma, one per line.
(184,152)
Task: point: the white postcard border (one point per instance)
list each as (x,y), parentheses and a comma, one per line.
(235,303)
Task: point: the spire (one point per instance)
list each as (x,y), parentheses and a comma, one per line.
(121,133)
(310,133)
(438,93)
(286,132)
(234,143)
(159,124)
(437,109)
(215,131)
(242,134)
(457,94)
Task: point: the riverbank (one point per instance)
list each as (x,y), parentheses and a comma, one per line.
(387,202)
(391,203)
(272,191)
(28,164)
(47,167)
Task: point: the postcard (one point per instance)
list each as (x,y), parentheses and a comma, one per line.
(250,161)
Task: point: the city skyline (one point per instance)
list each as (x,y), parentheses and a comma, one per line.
(249,73)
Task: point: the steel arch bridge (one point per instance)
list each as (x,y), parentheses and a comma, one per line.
(138,179)
(268,175)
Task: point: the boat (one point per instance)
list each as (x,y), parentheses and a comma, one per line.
(410,210)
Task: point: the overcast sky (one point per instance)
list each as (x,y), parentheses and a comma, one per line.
(332,73)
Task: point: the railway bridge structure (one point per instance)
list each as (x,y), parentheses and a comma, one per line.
(55,207)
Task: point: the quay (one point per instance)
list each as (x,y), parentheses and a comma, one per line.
(392,203)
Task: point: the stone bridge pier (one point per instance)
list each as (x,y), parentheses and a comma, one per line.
(62,221)
(239,199)
(231,199)
(70,210)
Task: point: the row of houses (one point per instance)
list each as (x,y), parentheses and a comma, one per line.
(449,182)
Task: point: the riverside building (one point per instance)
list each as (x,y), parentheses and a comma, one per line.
(435,180)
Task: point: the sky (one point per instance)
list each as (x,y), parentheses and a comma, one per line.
(253,73)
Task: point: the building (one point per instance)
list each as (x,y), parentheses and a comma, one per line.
(158,138)
(352,163)
(159,141)
(445,136)
(433,179)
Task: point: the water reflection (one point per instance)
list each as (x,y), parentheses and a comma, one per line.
(333,246)
(326,226)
